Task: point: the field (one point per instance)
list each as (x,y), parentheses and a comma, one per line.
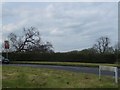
(24,77)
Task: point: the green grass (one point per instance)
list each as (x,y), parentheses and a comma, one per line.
(24,77)
(65,63)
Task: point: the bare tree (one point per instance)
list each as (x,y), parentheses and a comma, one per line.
(30,41)
(117,48)
(102,45)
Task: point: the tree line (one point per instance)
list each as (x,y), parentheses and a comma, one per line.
(30,45)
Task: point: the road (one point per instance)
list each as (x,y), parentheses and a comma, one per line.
(68,68)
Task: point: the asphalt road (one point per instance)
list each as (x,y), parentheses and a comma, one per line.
(69,68)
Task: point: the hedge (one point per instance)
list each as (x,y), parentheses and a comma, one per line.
(62,57)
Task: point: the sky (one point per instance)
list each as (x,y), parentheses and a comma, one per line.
(67,25)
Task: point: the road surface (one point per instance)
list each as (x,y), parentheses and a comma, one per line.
(68,68)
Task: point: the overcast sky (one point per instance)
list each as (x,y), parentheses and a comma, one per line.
(68,26)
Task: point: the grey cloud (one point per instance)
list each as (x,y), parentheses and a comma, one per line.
(67,25)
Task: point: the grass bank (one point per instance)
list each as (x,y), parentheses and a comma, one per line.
(64,63)
(24,77)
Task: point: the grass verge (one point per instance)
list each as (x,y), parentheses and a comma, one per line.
(24,77)
(64,63)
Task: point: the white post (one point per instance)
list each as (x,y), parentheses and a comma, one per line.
(99,73)
(116,75)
